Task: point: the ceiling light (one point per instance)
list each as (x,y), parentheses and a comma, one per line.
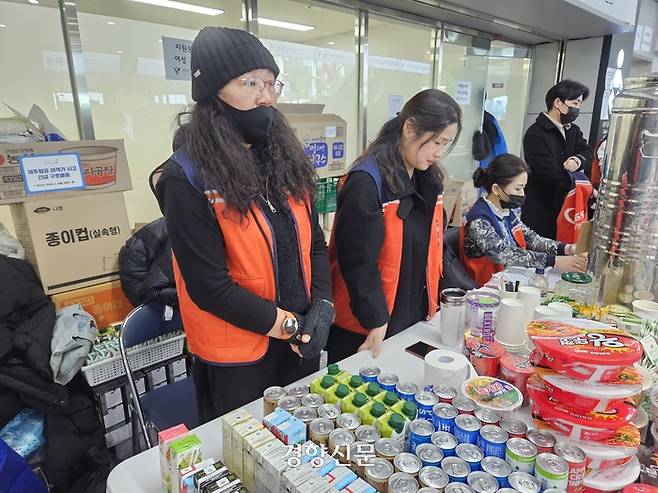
(3,25)
(70,4)
(331,43)
(119,52)
(283,25)
(188,7)
(111,23)
(34,2)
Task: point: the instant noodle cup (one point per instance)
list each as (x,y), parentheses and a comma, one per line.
(574,423)
(614,479)
(600,397)
(492,393)
(484,355)
(604,454)
(516,369)
(584,349)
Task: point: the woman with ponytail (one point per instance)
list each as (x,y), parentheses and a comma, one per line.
(494,236)
(387,241)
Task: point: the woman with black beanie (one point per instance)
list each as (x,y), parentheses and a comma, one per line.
(250,260)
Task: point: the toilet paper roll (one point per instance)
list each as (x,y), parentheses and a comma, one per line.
(443,367)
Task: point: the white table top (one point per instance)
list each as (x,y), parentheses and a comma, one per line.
(141,473)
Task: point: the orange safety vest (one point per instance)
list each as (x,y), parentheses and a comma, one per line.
(574,209)
(390,256)
(251,261)
(481,269)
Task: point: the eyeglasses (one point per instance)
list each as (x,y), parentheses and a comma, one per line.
(255,85)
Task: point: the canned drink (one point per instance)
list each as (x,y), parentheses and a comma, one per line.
(521,455)
(289,403)
(425,402)
(339,442)
(388,381)
(271,398)
(401,482)
(499,469)
(378,472)
(329,411)
(487,416)
(433,477)
(467,429)
(458,488)
(446,394)
(367,433)
(482,482)
(362,455)
(426,489)
(543,440)
(420,431)
(443,417)
(369,373)
(472,454)
(554,490)
(552,471)
(514,427)
(446,442)
(429,454)
(387,448)
(577,461)
(312,400)
(298,391)
(456,468)
(524,482)
(507,490)
(348,421)
(319,430)
(464,405)
(407,463)
(493,441)
(406,390)
(305,414)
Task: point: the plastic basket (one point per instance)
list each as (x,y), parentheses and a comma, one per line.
(111,368)
(326,194)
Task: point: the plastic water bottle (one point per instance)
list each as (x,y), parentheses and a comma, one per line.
(539,281)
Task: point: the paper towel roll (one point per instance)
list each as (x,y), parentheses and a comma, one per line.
(443,367)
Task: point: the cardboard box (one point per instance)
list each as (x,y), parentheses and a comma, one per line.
(165,437)
(106,302)
(73,242)
(183,452)
(458,198)
(323,136)
(104,165)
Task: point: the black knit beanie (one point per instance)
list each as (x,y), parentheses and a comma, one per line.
(220,54)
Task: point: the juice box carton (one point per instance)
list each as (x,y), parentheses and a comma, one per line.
(295,476)
(341,477)
(164,438)
(260,456)
(359,486)
(275,466)
(223,485)
(275,418)
(230,421)
(186,476)
(292,431)
(314,485)
(240,432)
(184,452)
(251,443)
(212,472)
(325,466)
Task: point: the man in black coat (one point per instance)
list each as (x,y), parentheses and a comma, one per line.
(552,147)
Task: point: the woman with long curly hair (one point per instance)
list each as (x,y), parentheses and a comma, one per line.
(250,260)
(386,249)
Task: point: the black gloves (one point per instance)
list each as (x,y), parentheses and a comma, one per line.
(316,323)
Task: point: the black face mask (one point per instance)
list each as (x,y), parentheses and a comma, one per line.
(254,124)
(570,116)
(514,202)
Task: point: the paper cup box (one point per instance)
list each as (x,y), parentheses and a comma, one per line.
(183,452)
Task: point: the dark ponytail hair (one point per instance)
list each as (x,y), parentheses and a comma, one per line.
(430,110)
(501,171)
